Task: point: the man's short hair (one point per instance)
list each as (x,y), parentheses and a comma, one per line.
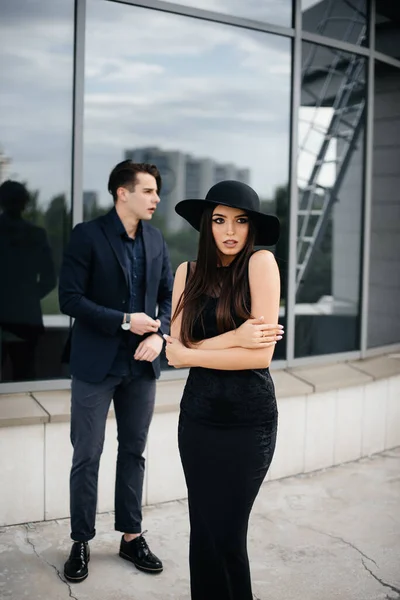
(124,174)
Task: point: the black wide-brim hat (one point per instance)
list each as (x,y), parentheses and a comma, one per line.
(236,195)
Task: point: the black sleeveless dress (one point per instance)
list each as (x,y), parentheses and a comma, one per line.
(226,434)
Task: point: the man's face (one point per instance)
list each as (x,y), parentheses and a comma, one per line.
(143,200)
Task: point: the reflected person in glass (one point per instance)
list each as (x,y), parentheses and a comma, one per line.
(116,281)
(27,275)
(225,327)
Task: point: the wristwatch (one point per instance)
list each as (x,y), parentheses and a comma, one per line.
(126,325)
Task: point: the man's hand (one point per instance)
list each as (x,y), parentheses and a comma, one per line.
(142,323)
(149,349)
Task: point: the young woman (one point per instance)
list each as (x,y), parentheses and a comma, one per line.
(225,314)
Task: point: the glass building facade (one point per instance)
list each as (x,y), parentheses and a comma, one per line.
(299,99)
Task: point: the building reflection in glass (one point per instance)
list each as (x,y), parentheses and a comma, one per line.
(339,19)
(203,101)
(384,267)
(387,27)
(36,65)
(269,11)
(184,176)
(330,178)
(27,275)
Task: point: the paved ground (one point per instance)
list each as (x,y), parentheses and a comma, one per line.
(330,535)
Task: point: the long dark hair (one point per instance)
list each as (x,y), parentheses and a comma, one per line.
(209,279)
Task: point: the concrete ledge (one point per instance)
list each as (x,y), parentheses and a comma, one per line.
(54,406)
(169,394)
(21,409)
(58,405)
(379,367)
(287,384)
(331,377)
(327,415)
(22,475)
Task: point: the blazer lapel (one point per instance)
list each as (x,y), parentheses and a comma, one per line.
(148,243)
(116,244)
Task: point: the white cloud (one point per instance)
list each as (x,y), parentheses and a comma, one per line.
(120,70)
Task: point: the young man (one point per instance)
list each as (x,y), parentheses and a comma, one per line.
(116,272)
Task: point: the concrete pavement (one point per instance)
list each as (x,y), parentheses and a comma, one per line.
(328,535)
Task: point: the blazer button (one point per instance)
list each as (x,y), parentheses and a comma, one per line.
(123,301)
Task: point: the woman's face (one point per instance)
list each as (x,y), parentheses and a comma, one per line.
(230,228)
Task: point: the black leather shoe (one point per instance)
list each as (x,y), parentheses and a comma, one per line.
(76,567)
(138,552)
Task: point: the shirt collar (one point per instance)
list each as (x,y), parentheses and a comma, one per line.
(119,227)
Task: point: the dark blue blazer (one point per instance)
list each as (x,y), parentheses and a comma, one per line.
(94,289)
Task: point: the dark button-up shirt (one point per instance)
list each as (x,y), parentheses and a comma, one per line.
(135,260)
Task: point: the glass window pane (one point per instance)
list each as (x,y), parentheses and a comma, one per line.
(338,19)
(203,101)
(330,179)
(387,28)
(384,275)
(269,11)
(36,65)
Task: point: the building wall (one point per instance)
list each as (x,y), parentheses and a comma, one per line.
(347,232)
(184,176)
(205,100)
(384,282)
(327,416)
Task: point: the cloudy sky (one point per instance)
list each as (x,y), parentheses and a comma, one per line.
(152,78)
(36,42)
(278,12)
(178,83)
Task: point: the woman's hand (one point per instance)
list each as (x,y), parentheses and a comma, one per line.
(177,354)
(254,333)
(149,348)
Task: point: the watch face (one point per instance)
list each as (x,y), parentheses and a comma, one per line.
(125,326)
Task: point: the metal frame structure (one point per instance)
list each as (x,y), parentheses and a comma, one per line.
(367,188)
(298,36)
(78,112)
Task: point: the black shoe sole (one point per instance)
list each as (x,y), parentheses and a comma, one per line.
(76,579)
(152,571)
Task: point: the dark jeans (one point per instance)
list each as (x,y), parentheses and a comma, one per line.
(133,405)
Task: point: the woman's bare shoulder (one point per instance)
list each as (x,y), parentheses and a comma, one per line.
(262,259)
(182,269)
